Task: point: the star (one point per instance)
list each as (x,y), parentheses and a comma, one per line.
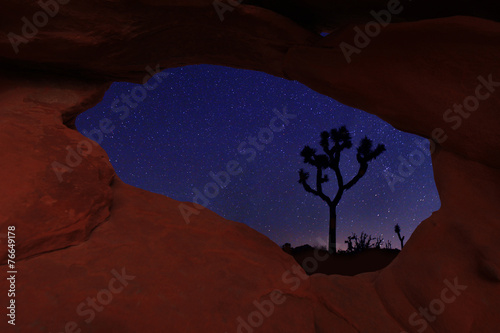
(198,119)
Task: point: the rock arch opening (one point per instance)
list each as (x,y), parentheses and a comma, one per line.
(189,127)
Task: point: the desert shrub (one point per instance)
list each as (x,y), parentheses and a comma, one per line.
(362,242)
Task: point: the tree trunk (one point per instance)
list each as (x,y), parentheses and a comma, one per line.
(332,241)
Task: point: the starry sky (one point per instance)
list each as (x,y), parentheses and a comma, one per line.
(193,120)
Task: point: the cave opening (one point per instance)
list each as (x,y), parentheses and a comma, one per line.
(179,134)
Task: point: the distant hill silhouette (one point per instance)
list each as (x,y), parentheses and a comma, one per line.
(350,264)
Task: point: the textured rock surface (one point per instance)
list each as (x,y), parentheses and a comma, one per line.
(51,214)
(75,236)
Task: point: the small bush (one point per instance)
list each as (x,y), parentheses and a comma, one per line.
(363,242)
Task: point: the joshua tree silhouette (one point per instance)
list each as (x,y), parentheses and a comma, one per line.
(341,139)
(397,229)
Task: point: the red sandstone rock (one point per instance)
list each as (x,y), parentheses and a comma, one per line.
(75,237)
(51,193)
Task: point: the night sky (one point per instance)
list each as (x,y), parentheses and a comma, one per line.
(193,122)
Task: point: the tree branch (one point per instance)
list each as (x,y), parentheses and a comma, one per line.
(361,172)
(319,187)
(309,189)
(335,166)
